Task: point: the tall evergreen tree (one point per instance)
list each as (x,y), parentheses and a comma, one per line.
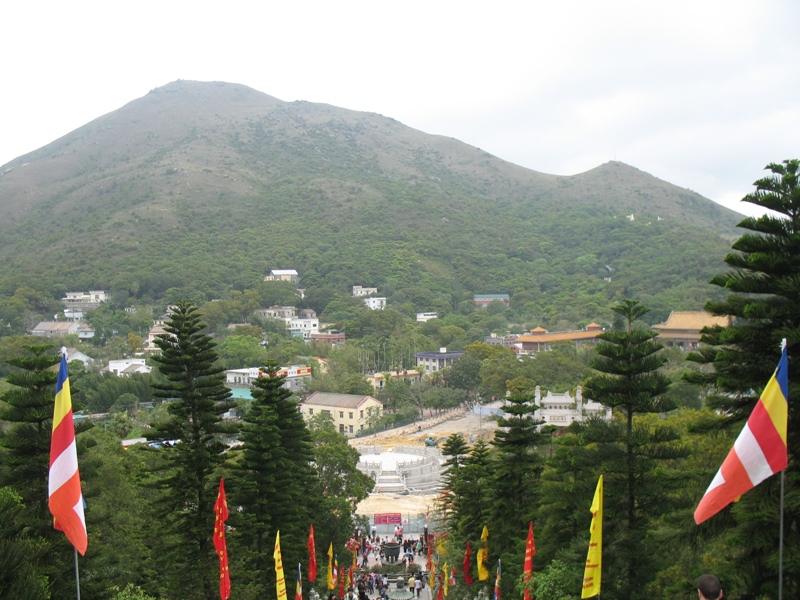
(628,452)
(275,484)
(197,399)
(764,307)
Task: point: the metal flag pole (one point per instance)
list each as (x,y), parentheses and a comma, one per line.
(780,542)
(77,579)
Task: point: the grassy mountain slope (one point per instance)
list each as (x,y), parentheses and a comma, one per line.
(202,187)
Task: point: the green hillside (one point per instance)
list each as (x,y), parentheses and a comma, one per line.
(200,188)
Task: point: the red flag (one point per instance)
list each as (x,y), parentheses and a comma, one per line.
(298,590)
(453,576)
(527,568)
(428,559)
(312,556)
(760,450)
(467,565)
(64,482)
(221,512)
(341,583)
(440,595)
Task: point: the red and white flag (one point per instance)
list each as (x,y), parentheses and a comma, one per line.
(64,482)
(759,451)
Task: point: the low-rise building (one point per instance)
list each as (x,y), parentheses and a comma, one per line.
(58,328)
(375,303)
(541,340)
(351,413)
(436,361)
(359,291)
(562,410)
(484,300)
(127,366)
(85,300)
(378,380)
(277,312)
(682,328)
(329,337)
(289,275)
(296,376)
(424,317)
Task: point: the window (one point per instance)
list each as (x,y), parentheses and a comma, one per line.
(361,415)
(326,412)
(351,429)
(350,415)
(311,411)
(341,414)
(341,428)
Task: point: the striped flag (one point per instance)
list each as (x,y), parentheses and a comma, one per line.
(497,583)
(64,483)
(527,565)
(298,590)
(759,451)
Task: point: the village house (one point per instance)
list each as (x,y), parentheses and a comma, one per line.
(562,410)
(374,303)
(350,412)
(436,361)
(332,337)
(127,366)
(58,328)
(296,376)
(484,300)
(378,380)
(85,300)
(424,317)
(682,328)
(541,340)
(289,275)
(359,292)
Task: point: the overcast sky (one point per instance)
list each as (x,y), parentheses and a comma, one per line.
(702,94)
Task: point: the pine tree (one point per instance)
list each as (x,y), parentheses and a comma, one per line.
(627,452)
(764,307)
(196,399)
(275,483)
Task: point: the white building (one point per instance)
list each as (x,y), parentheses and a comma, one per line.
(302,327)
(296,377)
(426,316)
(126,366)
(562,410)
(360,292)
(59,328)
(85,300)
(289,275)
(374,303)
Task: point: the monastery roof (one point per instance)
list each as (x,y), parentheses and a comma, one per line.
(559,336)
(691,320)
(337,400)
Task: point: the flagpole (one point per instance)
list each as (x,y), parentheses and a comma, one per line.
(77,579)
(780,542)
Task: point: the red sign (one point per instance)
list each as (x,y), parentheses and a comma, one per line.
(387,518)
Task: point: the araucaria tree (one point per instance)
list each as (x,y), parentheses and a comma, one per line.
(275,483)
(764,307)
(197,399)
(628,451)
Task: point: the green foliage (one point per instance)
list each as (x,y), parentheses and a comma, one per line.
(197,399)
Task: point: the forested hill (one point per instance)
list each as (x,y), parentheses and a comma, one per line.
(198,188)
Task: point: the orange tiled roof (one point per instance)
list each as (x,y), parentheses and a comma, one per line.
(691,320)
(559,336)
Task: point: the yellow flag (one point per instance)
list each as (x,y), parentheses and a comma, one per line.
(432,578)
(592,576)
(331,582)
(483,555)
(445,580)
(280,582)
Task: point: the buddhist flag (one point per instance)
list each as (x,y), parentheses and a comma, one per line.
(445,580)
(331,578)
(592,575)
(527,566)
(497,582)
(280,581)
(312,556)
(758,452)
(221,515)
(483,555)
(298,589)
(467,565)
(64,482)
